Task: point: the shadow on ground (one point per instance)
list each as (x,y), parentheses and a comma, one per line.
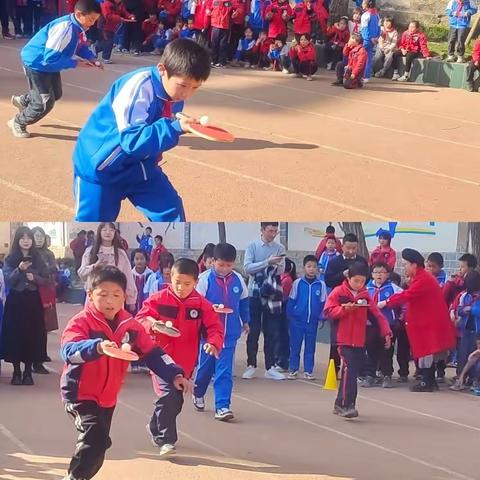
(195,143)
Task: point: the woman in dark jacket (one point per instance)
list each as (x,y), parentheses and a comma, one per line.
(23,334)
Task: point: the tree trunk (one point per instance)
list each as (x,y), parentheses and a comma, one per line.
(222,232)
(474,233)
(474,31)
(338,8)
(357,229)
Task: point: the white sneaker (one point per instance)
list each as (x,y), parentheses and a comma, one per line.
(223,414)
(199,403)
(365,80)
(167,449)
(285,71)
(273,374)
(249,373)
(395,76)
(330,66)
(451,58)
(460,60)
(404,78)
(280,369)
(292,375)
(309,376)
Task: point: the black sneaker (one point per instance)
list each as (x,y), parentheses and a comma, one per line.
(337,83)
(349,412)
(40,369)
(470,88)
(27,379)
(337,409)
(19,131)
(16,379)
(423,387)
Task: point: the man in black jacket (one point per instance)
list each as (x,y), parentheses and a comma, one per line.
(336,273)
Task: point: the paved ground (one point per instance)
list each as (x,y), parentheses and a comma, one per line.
(303,150)
(283,431)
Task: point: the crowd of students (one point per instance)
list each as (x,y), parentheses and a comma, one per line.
(373,314)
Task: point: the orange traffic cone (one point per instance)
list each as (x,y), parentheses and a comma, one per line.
(331,380)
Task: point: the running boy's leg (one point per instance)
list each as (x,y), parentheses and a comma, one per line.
(206,367)
(352,358)
(93,424)
(96,203)
(223,383)
(163,424)
(157,199)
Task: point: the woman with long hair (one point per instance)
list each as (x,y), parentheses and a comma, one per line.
(24,334)
(107,250)
(48,290)
(205,259)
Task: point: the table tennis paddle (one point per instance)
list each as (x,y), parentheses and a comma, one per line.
(223,309)
(120,354)
(164,327)
(208,132)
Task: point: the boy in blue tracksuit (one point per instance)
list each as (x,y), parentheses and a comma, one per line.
(459,15)
(118,150)
(328,254)
(434,265)
(222,286)
(145,242)
(370,31)
(381,288)
(304,311)
(49,52)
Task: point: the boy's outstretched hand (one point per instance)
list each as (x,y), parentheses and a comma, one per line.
(105,343)
(181,383)
(388,342)
(246,328)
(211,350)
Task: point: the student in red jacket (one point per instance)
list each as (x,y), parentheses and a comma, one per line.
(237,27)
(91,380)
(319,21)
(220,13)
(193,315)
(384,252)
(303,16)
(261,48)
(278,14)
(351,75)
(347,308)
(322,246)
(413,44)
(169,10)
(337,38)
(304,58)
(149,30)
(430,331)
(473,66)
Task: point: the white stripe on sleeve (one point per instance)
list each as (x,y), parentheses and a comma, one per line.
(59,36)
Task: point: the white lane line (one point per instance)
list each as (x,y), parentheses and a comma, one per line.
(368,443)
(15,440)
(409,410)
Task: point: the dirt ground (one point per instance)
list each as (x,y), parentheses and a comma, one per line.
(304,150)
(283,430)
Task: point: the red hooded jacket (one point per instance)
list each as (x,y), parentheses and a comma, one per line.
(149,30)
(337,36)
(414,42)
(200,18)
(322,246)
(190,315)
(427,320)
(476,51)
(239,12)
(87,375)
(220,13)
(321,14)
(113,13)
(386,255)
(357,59)
(277,25)
(303,15)
(349,326)
(304,54)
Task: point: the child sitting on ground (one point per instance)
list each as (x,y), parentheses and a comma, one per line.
(473,66)
(304,58)
(262,48)
(246,50)
(149,30)
(278,56)
(337,38)
(351,76)
(387,44)
(413,44)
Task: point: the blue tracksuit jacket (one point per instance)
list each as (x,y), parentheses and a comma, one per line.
(306,301)
(384,292)
(461,21)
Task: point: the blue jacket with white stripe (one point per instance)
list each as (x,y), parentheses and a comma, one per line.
(381,293)
(232,292)
(460,14)
(306,301)
(53,47)
(370,27)
(126,134)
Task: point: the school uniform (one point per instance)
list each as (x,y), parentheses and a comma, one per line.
(302,20)
(304,311)
(385,255)
(370,31)
(237,26)
(153,284)
(277,26)
(220,19)
(49,52)
(325,258)
(90,382)
(349,332)
(304,59)
(232,292)
(357,60)
(112,18)
(192,316)
(459,14)
(118,150)
(474,65)
(140,282)
(416,46)
(245,51)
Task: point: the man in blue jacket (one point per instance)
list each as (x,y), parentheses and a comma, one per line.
(459,14)
(370,31)
(222,286)
(49,52)
(119,148)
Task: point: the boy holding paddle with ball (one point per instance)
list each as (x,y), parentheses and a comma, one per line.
(118,150)
(91,379)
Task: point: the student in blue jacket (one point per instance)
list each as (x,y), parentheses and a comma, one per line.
(459,15)
(304,311)
(49,52)
(222,286)
(370,31)
(119,148)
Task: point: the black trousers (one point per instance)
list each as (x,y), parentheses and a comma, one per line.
(282,351)
(219,45)
(93,425)
(163,424)
(4,17)
(471,69)
(410,57)
(262,320)
(23,20)
(236,33)
(37,17)
(333,53)
(45,90)
(132,40)
(305,68)
(456,41)
(352,361)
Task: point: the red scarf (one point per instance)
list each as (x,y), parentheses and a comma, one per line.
(458,12)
